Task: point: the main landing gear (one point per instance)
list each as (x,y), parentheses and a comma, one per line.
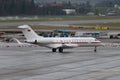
(54,50)
(59,49)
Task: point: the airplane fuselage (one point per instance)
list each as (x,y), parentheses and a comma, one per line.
(69,42)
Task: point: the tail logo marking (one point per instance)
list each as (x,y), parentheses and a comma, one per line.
(29,30)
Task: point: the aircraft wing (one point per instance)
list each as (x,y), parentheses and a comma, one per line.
(63,45)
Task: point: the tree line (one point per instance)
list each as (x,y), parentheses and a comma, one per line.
(108,3)
(30,7)
(17,7)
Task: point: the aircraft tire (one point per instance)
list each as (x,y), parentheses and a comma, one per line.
(95,50)
(54,50)
(60,50)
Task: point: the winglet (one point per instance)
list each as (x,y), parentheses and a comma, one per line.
(24,26)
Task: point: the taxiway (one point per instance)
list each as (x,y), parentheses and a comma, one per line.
(56,23)
(39,63)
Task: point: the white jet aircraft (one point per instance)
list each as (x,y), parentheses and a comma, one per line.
(59,43)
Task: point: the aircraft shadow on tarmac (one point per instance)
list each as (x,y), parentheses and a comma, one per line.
(71,52)
(65,52)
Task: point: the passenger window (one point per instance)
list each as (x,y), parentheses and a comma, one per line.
(71,40)
(76,40)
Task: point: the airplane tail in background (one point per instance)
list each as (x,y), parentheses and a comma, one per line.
(28,32)
(17,41)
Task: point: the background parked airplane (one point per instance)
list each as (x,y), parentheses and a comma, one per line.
(15,43)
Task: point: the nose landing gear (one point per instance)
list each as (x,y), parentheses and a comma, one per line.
(95,49)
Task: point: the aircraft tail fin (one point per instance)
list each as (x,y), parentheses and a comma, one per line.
(28,32)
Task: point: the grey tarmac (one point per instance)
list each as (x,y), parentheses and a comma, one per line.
(39,63)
